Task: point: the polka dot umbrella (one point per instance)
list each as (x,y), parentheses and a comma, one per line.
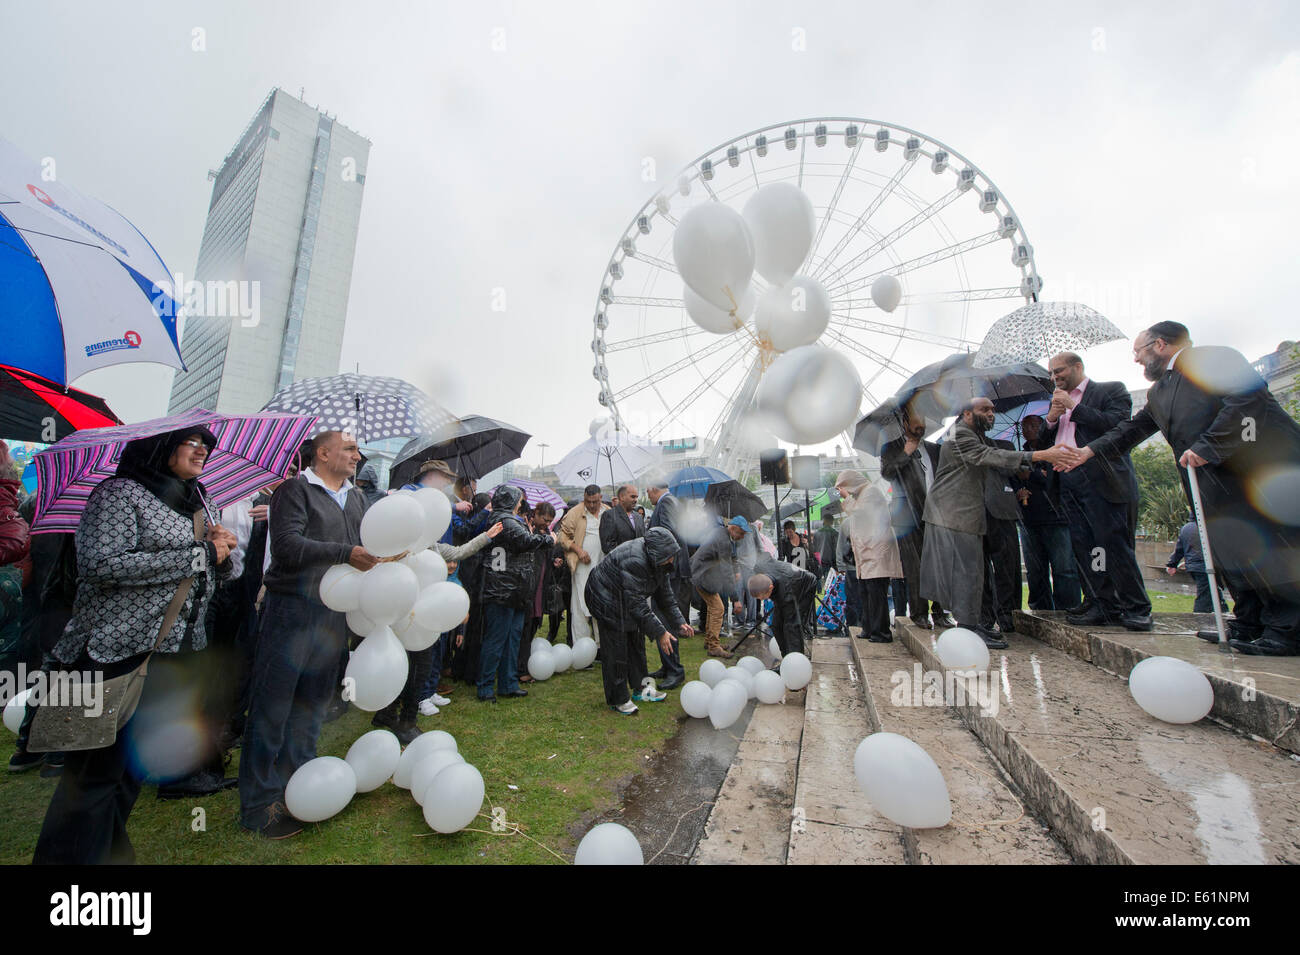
(368,407)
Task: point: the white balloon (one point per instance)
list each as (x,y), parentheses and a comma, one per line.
(810,394)
(413,636)
(373,757)
(539,645)
(902,781)
(753,664)
(714,253)
(320,788)
(886,292)
(442,606)
(340,588)
(713,319)
(377,670)
(793,314)
(360,624)
(963,650)
(436,507)
(769,687)
(743,677)
(796,671)
(774,648)
(428,566)
(391,525)
(420,747)
(711,671)
(561,657)
(695,698)
(454,798)
(541,665)
(781,219)
(388,592)
(726,703)
(15,710)
(1171,690)
(584,653)
(429,767)
(609,844)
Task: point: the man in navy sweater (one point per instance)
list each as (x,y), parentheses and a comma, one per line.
(315,524)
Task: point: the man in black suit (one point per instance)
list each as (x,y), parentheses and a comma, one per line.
(1002,585)
(1100,498)
(1218,416)
(621,523)
(909,463)
(667,514)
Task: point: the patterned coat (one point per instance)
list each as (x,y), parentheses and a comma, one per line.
(132,553)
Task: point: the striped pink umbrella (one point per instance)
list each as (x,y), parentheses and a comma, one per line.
(252,451)
(535,492)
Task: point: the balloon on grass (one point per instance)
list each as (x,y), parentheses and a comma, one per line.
(373,758)
(541,665)
(377,670)
(392,525)
(1171,690)
(320,788)
(388,592)
(340,588)
(539,645)
(695,697)
(561,657)
(743,677)
(726,703)
(429,767)
(454,798)
(609,844)
(584,653)
(902,781)
(769,687)
(796,671)
(420,747)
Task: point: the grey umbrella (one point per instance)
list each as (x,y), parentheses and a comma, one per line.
(472,446)
(369,407)
(1042,329)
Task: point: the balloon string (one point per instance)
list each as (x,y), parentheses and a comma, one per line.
(982,772)
(514,829)
(735,307)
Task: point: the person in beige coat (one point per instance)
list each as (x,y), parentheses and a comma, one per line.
(874,548)
(579,535)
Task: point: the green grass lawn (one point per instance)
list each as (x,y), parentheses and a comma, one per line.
(552,761)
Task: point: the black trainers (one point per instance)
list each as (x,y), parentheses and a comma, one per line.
(279,824)
(21,761)
(406,732)
(53,766)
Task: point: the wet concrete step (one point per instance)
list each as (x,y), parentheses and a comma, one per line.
(1257,695)
(1116,785)
(991,824)
(749,823)
(833,823)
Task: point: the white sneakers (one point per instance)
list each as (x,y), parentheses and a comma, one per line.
(428,707)
(440,700)
(627,709)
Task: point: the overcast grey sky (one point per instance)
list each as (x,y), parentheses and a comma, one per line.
(1149,149)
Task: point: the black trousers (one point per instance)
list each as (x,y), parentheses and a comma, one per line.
(1002,581)
(907,598)
(622,662)
(1102,537)
(1263,613)
(85,823)
(671,664)
(875,606)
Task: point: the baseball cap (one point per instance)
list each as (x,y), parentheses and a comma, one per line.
(740,522)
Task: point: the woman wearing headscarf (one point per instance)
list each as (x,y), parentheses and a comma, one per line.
(136,546)
(875,550)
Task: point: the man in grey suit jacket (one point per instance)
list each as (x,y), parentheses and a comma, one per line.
(956,516)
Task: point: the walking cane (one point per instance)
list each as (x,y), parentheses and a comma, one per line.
(1209,560)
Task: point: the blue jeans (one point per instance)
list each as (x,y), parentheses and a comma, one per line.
(502,629)
(439,654)
(1049,565)
(294,675)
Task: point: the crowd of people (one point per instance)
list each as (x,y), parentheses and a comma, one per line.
(224,613)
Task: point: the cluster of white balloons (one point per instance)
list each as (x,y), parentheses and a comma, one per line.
(810,393)
(449,789)
(721,692)
(545,660)
(401,604)
(902,781)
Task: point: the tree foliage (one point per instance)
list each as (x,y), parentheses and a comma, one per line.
(1161,502)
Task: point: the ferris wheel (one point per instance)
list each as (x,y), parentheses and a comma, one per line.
(887,201)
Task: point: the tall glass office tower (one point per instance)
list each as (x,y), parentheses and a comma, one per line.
(275,263)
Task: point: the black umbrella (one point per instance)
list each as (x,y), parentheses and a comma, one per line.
(939,390)
(472,446)
(731,498)
(879,426)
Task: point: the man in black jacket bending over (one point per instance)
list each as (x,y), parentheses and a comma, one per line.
(630,594)
(791,591)
(1100,498)
(315,524)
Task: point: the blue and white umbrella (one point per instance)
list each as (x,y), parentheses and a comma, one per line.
(80,287)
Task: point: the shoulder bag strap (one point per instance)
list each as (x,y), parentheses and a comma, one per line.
(182,591)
